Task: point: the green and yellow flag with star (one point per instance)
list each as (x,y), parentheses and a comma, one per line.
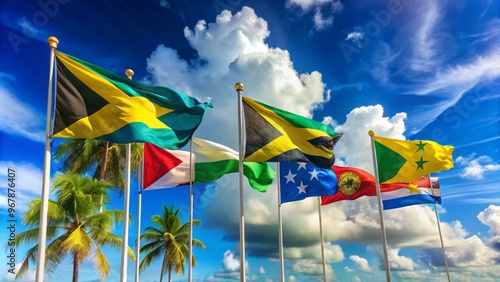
(408,160)
(94,103)
(274,135)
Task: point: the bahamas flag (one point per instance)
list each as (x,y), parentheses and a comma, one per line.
(407,161)
(274,135)
(94,103)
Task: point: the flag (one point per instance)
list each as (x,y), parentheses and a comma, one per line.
(94,103)
(213,160)
(301,180)
(352,184)
(274,135)
(407,161)
(165,168)
(397,195)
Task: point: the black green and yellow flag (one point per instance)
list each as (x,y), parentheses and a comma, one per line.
(409,160)
(274,135)
(94,103)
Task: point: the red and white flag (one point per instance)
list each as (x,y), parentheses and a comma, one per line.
(165,168)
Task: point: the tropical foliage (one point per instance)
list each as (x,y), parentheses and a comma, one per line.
(168,239)
(106,160)
(75,228)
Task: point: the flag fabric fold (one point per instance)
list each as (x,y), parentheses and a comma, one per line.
(274,135)
(301,180)
(213,160)
(94,103)
(397,195)
(352,184)
(165,168)
(406,161)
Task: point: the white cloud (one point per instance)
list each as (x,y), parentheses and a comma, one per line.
(323,11)
(230,263)
(475,168)
(321,22)
(425,41)
(230,268)
(311,267)
(356,279)
(292,278)
(308,4)
(361,263)
(348,269)
(262,271)
(491,217)
(27,181)
(356,36)
(398,262)
(18,119)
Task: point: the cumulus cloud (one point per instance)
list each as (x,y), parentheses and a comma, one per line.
(361,263)
(262,271)
(230,268)
(292,278)
(400,263)
(476,168)
(270,77)
(491,217)
(321,22)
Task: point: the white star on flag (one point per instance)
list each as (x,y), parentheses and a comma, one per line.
(302,188)
(289,177)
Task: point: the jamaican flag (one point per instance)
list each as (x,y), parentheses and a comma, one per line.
(274,135)
(94,103)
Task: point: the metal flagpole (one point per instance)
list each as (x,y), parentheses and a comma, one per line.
(126,205)
(280,226)
(191,200)
(42,233)
(379,200)
(239,90)
(322,239)
(139,212)
(440,234)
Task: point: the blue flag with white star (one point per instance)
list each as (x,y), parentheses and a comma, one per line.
(301,180)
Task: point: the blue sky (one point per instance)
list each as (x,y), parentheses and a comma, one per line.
(406,69)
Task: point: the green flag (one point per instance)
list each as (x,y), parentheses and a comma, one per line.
(94,103)
(213,160)
(274,135)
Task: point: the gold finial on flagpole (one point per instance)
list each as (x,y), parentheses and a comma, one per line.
(53,42)
(371,132)
(239,86)
(129,73)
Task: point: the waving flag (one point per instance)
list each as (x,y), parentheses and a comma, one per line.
(274,135)
(397,195)
(301,180)
(407,161)
(352,184)
(165,168)
(213,160)
(94,103)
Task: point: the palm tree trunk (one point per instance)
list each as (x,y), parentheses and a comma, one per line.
(163,266)
(104,161)
(76,267)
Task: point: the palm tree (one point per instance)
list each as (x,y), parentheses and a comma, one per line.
(75,227)
(170,239)
(107,160)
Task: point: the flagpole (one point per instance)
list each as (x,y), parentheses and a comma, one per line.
(191,167)
(379,200)
(139,214)
(440,234)
(42,233)
(126,205)
(239,89)
(323,264)
(280,226)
